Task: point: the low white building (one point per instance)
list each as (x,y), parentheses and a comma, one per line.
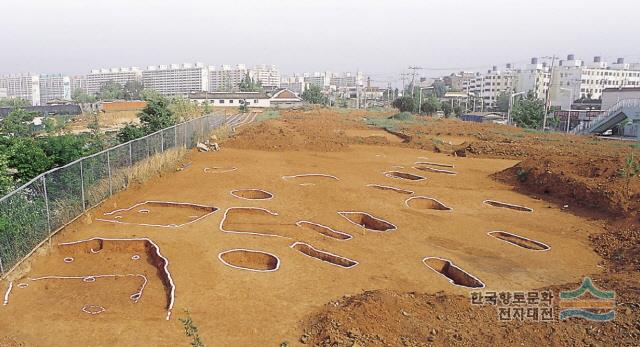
(283,98)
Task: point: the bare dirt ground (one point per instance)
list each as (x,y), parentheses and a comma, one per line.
(389,297)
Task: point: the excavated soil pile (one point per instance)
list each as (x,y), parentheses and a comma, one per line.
(387,318)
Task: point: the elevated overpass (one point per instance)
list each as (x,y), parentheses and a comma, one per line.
(623,109)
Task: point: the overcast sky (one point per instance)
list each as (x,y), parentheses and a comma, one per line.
(381,38)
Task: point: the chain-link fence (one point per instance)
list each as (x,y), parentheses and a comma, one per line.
(34,212)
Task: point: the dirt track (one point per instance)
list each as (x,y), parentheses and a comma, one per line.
(233,307)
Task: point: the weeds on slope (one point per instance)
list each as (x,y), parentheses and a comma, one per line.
(191,330)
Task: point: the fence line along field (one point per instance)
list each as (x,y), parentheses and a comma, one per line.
(318,227)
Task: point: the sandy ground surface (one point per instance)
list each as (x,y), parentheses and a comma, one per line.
(389,298)
(234,307)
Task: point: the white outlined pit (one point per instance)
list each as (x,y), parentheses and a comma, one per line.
(250,260)
(135,257)
(390,188)
(434,164)
(252,194)
(93,309)
(23,285)
(93,278)
(112,217)
(426,203)
(403,176)
(519,241)
(324,230)
(310,175)
(454,274)
(324,256)
(501,204)
(68,260)
(254,210)
(153,253)
(367,221)
(216,170)
(430,169)
(7,293)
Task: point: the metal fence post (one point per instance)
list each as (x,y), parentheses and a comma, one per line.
(46,202)
(130,155)
(148,149)
(1,267)
(175,136)
(162,140)
(109,168)
(84,207)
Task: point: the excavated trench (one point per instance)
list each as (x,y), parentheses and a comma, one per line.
(312,252)
(433,164)
(509,206)
(159,214)
(455,275)
(368,221)
(324,230)
(252,194)
(426,203)
(389,188)
(519,241)
(403,176)
(434,170)
(251,260)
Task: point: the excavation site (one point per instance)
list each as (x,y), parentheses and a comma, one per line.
(297,231)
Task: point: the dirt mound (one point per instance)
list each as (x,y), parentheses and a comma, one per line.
(290,134)
(387,318)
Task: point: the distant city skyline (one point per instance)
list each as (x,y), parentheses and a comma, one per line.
(381,38)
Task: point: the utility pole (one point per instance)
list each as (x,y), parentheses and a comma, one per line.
(357,90)
(404,77)
(547,104)
(413,77)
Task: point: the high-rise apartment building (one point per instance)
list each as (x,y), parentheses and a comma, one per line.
(176,79)
(54,87)
(97,78)
(574,79)
(25,86)
(226,78)
(267,75)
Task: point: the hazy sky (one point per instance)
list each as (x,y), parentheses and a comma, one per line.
(378,37)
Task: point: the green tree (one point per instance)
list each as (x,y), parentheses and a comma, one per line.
(6,182)
(431,105)
(528,113)
(183,109)
(446,108)
(249,85)
(63,149)
(502,103)
(130,132)
(404,104)
(14,102)
(206,108)
(132,90)
(110,90)
(28,159)
(82,97)
(156,115)
(439,89)
(17,123)
(314,95)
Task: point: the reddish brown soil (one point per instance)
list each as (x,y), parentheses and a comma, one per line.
(391,298)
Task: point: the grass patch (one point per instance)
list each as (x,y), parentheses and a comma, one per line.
(191,330)
(403,116)
(267,115)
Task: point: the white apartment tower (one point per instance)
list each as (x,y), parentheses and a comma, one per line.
(226,78)
(490,85)
(26,87)
(574,79)
(97,78)
(267,75)
(176,79)
(534,78)
(54,87)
